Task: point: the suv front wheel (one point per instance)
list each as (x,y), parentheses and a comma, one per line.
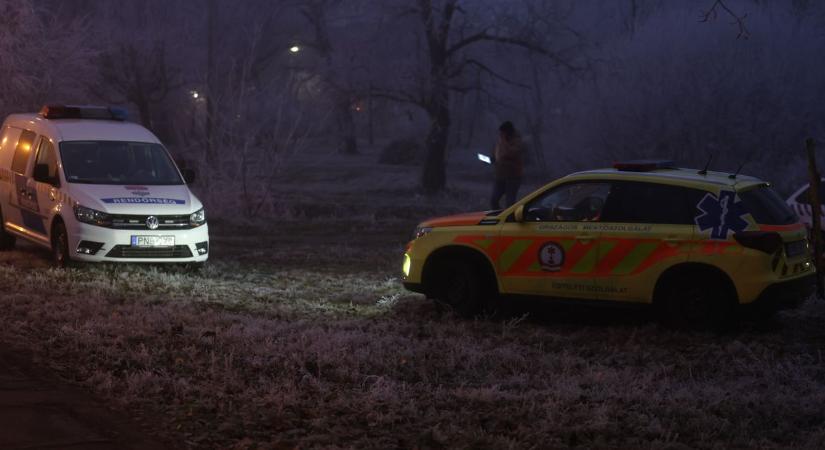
(461,287)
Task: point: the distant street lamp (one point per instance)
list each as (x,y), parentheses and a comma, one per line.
(195,94)
(294,49)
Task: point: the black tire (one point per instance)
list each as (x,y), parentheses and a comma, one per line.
(461,286)
(6,240)
(698,304)
(61,257)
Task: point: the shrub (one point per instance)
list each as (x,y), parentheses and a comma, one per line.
(401,151)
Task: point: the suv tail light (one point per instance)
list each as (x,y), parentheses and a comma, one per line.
(764,241)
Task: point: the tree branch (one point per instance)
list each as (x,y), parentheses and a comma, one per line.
(485,69)
(484,36)
(713,12)
(401,97)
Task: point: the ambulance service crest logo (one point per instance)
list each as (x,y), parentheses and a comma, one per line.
(551,257)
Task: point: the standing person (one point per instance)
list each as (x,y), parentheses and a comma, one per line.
(509,165)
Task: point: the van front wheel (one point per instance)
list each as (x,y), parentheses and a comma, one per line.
(60,247)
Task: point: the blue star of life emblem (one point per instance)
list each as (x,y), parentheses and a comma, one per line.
(722,215)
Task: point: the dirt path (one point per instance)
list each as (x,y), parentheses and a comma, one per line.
(39,412)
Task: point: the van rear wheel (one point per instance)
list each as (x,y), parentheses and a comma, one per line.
(6,240)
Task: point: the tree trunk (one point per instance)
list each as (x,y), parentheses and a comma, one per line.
(816,215)
(346,125)
(211,89)
(145,115)
(370,118)
(433,177)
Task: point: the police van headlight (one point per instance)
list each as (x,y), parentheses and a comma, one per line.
(197,218)
(92,216)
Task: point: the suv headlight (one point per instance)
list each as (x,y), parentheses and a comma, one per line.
(197,218)
(92,216)
(421,231)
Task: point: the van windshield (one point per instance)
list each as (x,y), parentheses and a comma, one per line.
(115,162)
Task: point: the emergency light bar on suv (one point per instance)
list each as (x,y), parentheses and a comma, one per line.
(82,112)
(643,165)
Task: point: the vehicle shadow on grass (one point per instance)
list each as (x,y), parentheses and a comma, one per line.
(566,313)
(572,316)
(26,255)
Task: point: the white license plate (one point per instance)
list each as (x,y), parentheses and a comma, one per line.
(153,241)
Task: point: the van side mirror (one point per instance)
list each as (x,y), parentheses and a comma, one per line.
(188,175)
(41,174)
(519,214)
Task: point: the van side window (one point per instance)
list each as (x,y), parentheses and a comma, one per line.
(22,152)
(46,156)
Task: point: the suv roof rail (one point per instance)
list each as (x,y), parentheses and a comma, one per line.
(643,165)
(82,112)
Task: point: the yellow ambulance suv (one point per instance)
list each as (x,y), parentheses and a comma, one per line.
(693,243)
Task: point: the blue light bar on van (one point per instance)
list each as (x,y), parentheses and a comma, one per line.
(82,112)
(643,165)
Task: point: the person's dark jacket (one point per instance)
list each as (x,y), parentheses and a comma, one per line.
(509,160)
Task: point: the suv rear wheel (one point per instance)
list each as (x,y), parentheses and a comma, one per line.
(686,303)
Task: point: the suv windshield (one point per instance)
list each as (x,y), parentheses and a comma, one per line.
(115,162)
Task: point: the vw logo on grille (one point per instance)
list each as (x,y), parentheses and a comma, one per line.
(152,223)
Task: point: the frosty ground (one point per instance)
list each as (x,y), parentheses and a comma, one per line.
(298,334)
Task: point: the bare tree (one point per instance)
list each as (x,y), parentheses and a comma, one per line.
(137,74)
(451,35)
(34,45)
(211,79)
(335,81)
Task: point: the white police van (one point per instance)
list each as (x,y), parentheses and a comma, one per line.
(92,187)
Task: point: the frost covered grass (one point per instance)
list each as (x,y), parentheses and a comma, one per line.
(299,335)
(248,355)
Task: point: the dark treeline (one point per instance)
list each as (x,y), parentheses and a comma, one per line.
(236,87)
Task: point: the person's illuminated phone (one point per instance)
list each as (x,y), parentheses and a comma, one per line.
(484,158)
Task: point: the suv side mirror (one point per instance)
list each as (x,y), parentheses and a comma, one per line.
(188,175)
(41,174)
(519,214)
